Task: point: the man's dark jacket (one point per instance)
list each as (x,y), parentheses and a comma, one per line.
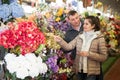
(69,36)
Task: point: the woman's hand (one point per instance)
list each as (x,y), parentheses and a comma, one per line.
(57,38)
(83,53)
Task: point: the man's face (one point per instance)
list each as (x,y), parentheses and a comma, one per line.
(74,20)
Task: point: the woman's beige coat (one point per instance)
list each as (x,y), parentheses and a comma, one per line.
(97,53)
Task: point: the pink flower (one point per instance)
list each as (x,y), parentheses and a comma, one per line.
(24,34)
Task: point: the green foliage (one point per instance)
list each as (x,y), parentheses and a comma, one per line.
(86,14)
(5,1)
(39,48)
(10,76)
(108,63)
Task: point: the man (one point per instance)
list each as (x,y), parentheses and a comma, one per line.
(76,26)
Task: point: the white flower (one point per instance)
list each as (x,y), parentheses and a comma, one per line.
(10,60)
(31,57)
(12,66)
(22,72)
(43,68)
(33,72)
(27,65)
(10,57)
(39,59)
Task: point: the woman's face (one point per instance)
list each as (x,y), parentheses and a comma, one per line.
(87,25)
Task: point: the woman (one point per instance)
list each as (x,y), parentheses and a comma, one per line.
(91,49)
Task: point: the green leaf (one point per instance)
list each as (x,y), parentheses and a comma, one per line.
(40,48)
(14,76)
(5,1)
(63,61)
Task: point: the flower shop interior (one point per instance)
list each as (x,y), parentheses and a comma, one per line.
(27,47)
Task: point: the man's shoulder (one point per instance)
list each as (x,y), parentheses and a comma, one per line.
(70,30)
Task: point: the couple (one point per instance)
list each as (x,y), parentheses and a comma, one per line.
(90,48)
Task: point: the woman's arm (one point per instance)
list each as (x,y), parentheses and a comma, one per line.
(67,46)
(102,51)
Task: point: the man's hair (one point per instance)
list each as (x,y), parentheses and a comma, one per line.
(71,12)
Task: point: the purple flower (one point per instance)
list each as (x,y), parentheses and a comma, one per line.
(55,68)
(52,63)
(62,25)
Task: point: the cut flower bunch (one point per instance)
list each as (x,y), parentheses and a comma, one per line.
(25,36)
(24,40)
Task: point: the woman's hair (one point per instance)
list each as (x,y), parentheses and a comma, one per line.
(94,21)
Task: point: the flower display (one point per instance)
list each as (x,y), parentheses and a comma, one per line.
(24,66)
(25,41)
(10,9)
(111,33)
(59,65)
(45,17)
(24,35)
(32,51)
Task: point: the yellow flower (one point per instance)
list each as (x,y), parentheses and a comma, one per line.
(103,23)
(68,70)
(98,5)
(58,19)
(50,41)
(47,15)
(60,12)
(61,70)
(113,43)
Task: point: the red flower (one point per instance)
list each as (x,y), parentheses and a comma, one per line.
(63,76)
(24,34)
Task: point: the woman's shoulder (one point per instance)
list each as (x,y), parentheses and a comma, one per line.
(99,34)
